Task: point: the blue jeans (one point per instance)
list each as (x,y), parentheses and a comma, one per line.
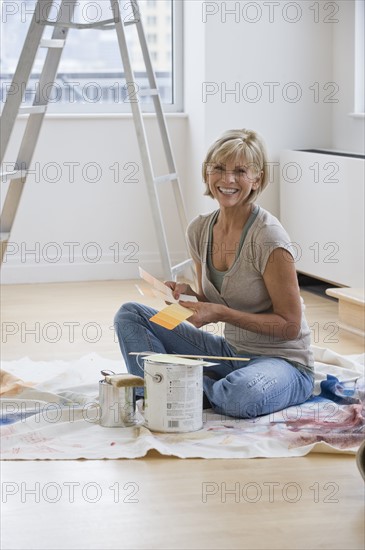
(259,386)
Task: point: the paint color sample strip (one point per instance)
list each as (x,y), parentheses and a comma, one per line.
(171,316)
(183,297)
(161,290)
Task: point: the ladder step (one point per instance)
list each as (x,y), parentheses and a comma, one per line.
(4,237)
(51,43)
(107,24)
(148,91)
(164,179)
(131,22)
(13,175)
(33,110)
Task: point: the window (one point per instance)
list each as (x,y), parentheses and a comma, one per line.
(151,38)
(359,57)
(90,75)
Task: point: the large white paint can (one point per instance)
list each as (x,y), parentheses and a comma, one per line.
(173,394)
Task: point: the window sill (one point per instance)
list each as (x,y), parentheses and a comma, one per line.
(50,115)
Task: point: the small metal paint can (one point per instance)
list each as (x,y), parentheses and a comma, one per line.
(117,405)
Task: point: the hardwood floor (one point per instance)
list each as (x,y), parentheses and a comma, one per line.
(311,502)
(67,320)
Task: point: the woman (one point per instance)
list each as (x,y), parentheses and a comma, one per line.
(247,280)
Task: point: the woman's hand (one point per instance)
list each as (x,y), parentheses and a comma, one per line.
(179,288)
(203,312)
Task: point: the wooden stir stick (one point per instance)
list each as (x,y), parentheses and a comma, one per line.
(192,356)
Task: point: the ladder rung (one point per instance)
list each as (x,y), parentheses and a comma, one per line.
(148,91)
(107,24)
(13,175)
(51,43)
(131,22)
(33,110)
(164,179)
(4,237)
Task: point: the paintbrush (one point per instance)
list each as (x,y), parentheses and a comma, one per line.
(125,380)
(192,356)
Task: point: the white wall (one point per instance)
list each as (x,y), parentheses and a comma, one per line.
(226,51)
(271,53)
(111,212)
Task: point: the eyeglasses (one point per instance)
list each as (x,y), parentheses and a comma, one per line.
(240,172)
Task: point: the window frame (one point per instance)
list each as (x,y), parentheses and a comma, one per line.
(359,76)
(123,107)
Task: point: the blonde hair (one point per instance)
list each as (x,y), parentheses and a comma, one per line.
(243,143)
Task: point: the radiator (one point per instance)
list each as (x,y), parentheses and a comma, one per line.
(322,209)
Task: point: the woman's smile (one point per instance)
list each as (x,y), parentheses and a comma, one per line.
(227,190)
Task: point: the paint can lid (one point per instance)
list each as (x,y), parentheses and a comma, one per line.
(175,360)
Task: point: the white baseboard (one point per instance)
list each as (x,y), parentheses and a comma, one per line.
(14,271)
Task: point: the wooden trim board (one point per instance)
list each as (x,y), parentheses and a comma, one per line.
(351,308)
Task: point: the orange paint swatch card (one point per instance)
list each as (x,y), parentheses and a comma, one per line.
(171,316)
